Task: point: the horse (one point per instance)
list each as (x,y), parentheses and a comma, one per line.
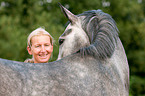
(93,35)
(91,62)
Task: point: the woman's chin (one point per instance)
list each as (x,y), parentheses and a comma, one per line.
(44,60)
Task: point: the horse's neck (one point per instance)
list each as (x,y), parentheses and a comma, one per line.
(120,61)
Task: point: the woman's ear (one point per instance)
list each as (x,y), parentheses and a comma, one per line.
(29,50)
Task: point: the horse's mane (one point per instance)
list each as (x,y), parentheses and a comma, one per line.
(102,32)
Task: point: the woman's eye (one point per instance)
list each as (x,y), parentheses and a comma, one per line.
(61,41)
(46,45)
(37,46)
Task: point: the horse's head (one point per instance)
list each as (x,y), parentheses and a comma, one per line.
(73,37)
(90,33)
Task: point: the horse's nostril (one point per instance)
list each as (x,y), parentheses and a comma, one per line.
(61,41)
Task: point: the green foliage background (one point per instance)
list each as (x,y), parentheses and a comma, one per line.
(20,17)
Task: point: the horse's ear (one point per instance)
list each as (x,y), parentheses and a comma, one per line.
(70,16)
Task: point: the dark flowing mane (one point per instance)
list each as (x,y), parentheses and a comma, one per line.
(102,32)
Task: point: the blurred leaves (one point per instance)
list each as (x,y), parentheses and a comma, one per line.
(20,17)
(137,86)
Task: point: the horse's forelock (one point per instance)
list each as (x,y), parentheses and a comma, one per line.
(102,32)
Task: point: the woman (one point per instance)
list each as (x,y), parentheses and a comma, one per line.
(40,46)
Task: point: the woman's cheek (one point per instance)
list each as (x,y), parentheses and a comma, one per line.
(36,50)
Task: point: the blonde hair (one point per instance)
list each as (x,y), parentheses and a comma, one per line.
(37,32)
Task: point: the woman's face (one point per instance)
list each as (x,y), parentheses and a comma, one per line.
(41,48)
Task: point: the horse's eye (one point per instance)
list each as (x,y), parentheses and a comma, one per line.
(61,41)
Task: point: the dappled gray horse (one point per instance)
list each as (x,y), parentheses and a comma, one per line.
(93,35)
(94,63)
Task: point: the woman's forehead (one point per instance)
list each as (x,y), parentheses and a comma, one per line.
(41,39)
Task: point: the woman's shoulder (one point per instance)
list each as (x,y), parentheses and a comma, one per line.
(29,60)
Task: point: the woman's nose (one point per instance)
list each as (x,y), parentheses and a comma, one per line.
(43,49)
